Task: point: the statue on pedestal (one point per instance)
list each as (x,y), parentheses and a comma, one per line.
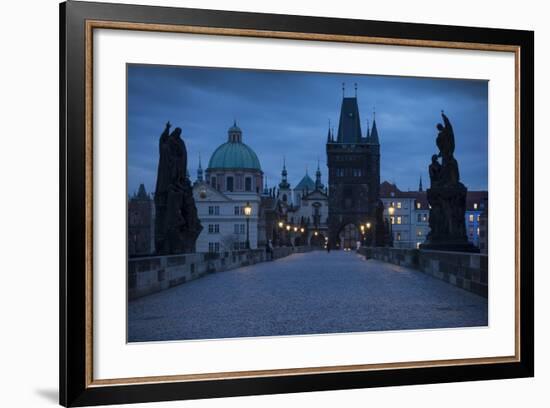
(177,225)
(446,196)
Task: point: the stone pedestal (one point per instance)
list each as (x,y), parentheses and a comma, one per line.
(447,222)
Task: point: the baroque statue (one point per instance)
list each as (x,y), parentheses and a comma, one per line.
(177,225)
(446,196)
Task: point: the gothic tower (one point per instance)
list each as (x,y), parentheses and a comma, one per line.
(353,177)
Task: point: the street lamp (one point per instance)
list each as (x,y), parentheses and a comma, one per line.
(247,213)
(281,225)
(391,211)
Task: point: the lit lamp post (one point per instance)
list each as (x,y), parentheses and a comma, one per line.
(363,234)
(288,236)
(391,211)
(247,213)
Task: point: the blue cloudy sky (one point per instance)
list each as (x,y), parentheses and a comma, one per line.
(286,114)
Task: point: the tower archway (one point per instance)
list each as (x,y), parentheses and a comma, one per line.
(348,236)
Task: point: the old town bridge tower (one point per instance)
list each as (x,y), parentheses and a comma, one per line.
(353,178)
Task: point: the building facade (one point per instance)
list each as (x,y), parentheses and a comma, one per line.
(141,224)
(232,182)
(353,176)
(308,212)
(409,223)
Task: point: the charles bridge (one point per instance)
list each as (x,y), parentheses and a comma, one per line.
(304,292)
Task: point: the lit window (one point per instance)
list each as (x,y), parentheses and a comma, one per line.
(471,217)
(417,245)
(399,204)
(418,205)
(419,233)
(478,218)
(478,231)
(392,220)
(475,206)
(399,220)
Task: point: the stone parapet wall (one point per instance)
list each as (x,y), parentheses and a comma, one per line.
(147,275)
(468,271)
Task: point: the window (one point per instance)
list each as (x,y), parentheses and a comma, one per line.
(357,173)
(475,206)
(248,184)
(399,236)
(211,210)
(237,210)
(340,172)
(424,217)
(418,205)
(417,245)
(213,181)
(235,228)
(419,233)
(216,210)
(478,218)
(399,204)
(213,228)
(419,218)
(229,183)
(399,220)
(478,231)
(471,217)
(392,220)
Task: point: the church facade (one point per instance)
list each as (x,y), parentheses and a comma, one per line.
(353,161)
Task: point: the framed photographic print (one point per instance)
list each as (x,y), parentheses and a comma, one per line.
(255,203)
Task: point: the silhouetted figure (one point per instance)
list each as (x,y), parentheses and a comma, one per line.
(177,225)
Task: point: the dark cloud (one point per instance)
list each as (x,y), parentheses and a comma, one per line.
(285,114)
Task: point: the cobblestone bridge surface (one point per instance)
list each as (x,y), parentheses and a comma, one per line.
(315,292)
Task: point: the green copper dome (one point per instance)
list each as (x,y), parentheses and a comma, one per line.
(234,154)
(306,184)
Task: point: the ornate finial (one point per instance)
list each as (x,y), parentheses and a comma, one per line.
(374,113)
(318,166)
(343,89)
(355,85)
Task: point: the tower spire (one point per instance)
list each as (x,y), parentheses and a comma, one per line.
(420,184)
(199,170)
(318,184)
(284,183)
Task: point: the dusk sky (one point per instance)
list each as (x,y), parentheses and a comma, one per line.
(286,114)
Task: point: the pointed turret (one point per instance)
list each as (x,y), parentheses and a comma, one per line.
(318,184)
(199,171)
(420,185)
(284,183)
(374,133)
(349,127)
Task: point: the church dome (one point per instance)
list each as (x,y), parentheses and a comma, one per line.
(234,154)
(306,184)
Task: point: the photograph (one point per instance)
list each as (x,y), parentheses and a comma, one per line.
(286,203)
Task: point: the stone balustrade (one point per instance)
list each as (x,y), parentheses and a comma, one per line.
(151,274)
(466,270)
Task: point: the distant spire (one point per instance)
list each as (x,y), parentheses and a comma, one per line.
(420,184)
(318,184)
(284,183)
(199,170)
(374,131)
(368,131)
(343,89)
(355,86)
(329,138)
